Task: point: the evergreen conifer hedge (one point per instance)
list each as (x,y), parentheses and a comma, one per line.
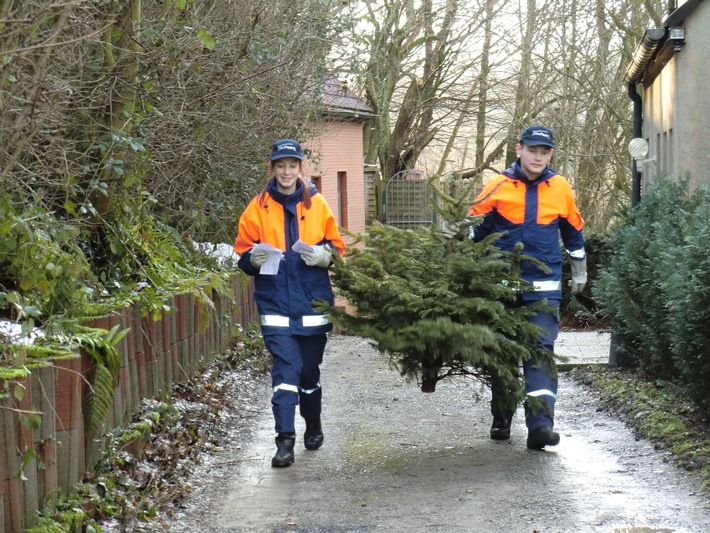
(654,289)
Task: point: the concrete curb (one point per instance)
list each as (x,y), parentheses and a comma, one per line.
(582,348)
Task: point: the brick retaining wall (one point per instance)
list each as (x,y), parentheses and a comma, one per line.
(156,354)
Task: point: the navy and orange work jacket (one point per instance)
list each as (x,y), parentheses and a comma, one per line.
(535,213)
(285,300)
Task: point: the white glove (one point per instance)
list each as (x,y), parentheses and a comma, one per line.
(319,257)
(258,257)
(579,275)
(452,229)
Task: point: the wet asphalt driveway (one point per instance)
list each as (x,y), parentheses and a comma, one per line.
(396,459)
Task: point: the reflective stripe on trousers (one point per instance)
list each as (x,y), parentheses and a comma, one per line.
(284,386)
(293,388)
(310,391)
(540,381)
(295,377)
(541,392)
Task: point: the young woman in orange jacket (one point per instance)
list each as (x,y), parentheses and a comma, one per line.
(287,279)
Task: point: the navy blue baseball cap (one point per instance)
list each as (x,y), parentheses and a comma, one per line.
(286,148)
(537,135)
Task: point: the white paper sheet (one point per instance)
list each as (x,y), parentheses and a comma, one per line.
(299,247)
(271,266)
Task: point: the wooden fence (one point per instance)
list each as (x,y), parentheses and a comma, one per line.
(156,354)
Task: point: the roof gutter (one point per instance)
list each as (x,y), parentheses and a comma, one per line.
(643,54)
(678,15)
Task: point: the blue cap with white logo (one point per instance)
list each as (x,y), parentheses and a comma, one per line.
(537,135)
(286,148)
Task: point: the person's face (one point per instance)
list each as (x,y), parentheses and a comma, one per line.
(533,159)
(286,171)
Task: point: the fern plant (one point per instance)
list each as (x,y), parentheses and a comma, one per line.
(101,346)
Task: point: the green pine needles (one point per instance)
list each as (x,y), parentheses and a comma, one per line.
(654,290)
(438,307)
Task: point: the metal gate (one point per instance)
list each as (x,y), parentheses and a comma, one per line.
(407,200)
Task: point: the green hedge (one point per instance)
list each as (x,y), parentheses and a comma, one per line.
(654,290)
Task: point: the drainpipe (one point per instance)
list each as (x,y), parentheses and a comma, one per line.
(643,55)
(634,74)
(635,174)
(616,354)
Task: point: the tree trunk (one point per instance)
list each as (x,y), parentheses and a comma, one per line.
(121,54)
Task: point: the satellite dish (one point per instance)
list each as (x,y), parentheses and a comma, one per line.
(638,148)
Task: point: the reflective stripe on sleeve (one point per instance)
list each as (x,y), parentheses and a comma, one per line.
(310,321)
(577,254)
(274,320)
(542,392)
(550,285)
(279,321)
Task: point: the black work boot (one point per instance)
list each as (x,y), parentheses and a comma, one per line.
(284,450)
(500,430)
(313,437)
(541,437)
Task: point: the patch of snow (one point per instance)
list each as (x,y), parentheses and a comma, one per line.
(224,252)
(13,332)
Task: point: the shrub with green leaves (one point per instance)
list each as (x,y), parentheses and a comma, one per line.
(654,290)
(687,289)
(43,272)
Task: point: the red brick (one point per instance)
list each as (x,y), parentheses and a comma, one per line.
(48,476)
(126,394)
(23,433)
(197,320)
(165,327)
(67,392)
(103,322)
(148,333)
(136,321)
(180,304)
(190,315)
(173,366)
(11,505)
(151,369)
(141,374)
(130,340)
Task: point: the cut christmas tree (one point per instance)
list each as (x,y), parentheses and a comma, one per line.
(437,306)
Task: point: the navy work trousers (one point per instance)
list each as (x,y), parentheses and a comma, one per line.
(295,377)
(540,381)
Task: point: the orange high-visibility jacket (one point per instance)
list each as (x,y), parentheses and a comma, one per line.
(536,213)
(285,300)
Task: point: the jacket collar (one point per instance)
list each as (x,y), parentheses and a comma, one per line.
(515,171)
(282,198)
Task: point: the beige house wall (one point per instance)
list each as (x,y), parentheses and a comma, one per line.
(659,126)
(676,108)
(338,148)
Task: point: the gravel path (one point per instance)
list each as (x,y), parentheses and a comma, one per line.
(396,459)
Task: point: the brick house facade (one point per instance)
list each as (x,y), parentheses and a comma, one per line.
(336,162)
